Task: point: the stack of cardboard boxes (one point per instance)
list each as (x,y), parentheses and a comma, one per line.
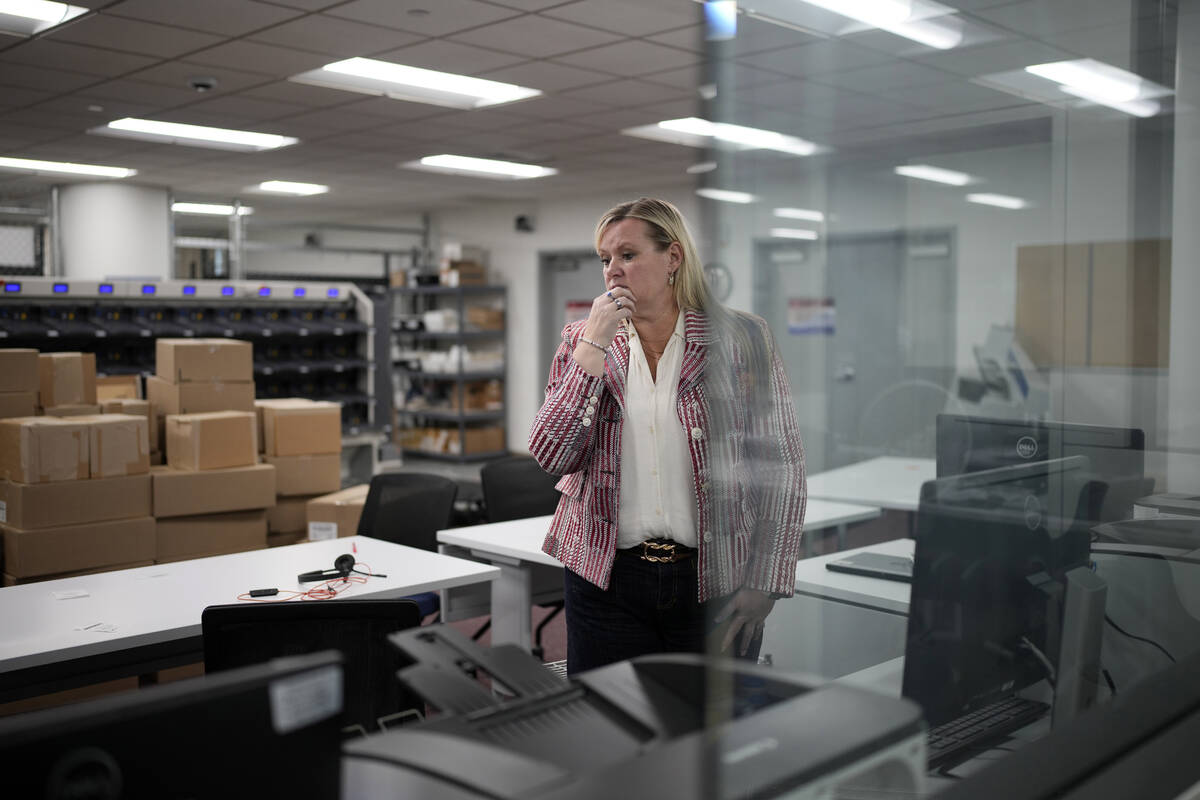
(18,383)
(74,495)
(336,515)
(197,375)
(302,439)
(67,384)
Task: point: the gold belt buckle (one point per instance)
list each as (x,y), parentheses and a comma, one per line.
(666,550)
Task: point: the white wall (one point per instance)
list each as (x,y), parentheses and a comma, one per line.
(113,230)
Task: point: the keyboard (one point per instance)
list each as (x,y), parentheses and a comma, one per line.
(952,740)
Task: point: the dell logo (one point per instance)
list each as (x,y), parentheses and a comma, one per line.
(1027,447)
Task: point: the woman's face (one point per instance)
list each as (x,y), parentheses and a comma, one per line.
(631,259)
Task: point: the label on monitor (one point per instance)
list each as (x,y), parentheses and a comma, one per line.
(301,700)
(320,531)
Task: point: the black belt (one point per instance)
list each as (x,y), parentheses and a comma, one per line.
(660,551)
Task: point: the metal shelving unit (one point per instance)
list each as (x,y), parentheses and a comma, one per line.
(414,379)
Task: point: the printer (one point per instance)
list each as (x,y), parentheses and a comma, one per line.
(676,725)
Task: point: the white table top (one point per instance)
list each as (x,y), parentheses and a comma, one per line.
(887,481)
(149,605)
(812,578)
(521,539)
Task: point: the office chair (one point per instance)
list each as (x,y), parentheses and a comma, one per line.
(249,633)
(515,487)
(409,508)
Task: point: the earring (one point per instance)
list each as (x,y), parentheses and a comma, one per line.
(671,279)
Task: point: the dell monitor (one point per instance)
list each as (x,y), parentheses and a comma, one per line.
(1116,456)
(270,730)
(992,550)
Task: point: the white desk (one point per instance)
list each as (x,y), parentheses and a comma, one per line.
(888,482)
(527,575)
(156,609)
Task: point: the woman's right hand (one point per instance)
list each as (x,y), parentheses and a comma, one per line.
(607,312)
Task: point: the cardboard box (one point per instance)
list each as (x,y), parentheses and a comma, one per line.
(43,450)
(118,387)
(18,404)
(19,370)
(181,538)
(477,396)
(199,398)
(486,319)
(73,410)
(301,428)
(125,405)
(180,493)
(288,515)
(211,441)
(118,444)
(300,475)
(158,458)
(203,360)
(48,551)
(67,379)
(486,439)
(464,273)
(12,580)
(44,505)
(284,539)
(335,516)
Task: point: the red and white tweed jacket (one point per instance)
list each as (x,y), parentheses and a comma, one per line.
(747,459)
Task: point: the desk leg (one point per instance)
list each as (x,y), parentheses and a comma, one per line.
(841,537)
(512,599)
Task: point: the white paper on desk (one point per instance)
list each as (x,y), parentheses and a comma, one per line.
(70,594)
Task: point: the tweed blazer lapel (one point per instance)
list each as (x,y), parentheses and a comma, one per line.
(616,366)
(696,341)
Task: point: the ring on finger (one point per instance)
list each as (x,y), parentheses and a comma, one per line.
(609,293)
(618,302)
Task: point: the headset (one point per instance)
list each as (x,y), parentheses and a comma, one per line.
(343,565)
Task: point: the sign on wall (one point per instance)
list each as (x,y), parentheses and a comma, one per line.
(811,315)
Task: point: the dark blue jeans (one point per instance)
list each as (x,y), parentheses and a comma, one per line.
(647,608)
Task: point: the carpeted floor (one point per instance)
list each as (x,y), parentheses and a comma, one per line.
(554,637)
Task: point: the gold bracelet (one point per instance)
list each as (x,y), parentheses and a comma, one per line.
(596,345)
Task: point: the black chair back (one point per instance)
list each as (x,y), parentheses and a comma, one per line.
(515,487)
(408,508)
(249,633)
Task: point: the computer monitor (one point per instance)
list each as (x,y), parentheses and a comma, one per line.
(1117,456)
(270,730)
(992,549)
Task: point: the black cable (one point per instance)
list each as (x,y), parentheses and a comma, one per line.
(1124,632)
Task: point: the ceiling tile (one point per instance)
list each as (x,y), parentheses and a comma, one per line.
(728,73)
(985,60)
(141,93)
(339,37)
(14,96)
(527,5)
(447,56)
(393,110)
(227,17)
(132,36)
(245,107)
(536,37)
(627,93)
(630,58)
(83,102)
(547,77)
(303,94)
(281,62)
(885,76)
(629,17)
(75,57)
(1038,18)
(817,58)
(179,74)
(44,79)
(553,106)
(439,18)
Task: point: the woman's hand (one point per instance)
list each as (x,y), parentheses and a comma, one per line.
(607,312)
(747,614)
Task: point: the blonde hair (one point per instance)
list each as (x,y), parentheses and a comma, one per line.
(666,226)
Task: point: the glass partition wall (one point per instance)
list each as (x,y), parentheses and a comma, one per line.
(973,230)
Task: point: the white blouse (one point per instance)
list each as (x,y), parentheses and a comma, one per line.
(658,500)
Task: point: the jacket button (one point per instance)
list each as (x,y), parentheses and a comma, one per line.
(704,486)
(707,536)
(593,400)
(697,434)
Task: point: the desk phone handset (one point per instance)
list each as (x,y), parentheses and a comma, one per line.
(343,565)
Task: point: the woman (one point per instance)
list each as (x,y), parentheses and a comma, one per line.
(670,418)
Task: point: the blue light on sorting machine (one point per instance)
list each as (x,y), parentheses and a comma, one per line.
(105,288)
(299,291)
(189,290)
(12,288)
(264,291)
(227,291)
(61,288)
(333,292)
(149,288)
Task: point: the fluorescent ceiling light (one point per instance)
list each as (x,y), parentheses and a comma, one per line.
(60,167)
(194,135)
(209,208)
(27,17)
(749,138)
(800,213)
(480,167)
(416,85)
(292,187)
(1101,83)
(998,200)
(936,174)
(701,167)
(912,19)
(793,233)
(726,196)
